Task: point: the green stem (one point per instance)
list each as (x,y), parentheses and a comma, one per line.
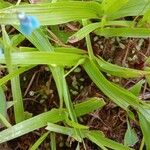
(4,121)
(56,72)
(88,41)
(69,105)
(53,140)
(15,82)
(142,144)
(18,2)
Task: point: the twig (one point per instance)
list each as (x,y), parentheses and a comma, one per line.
(126,54)
(30,83)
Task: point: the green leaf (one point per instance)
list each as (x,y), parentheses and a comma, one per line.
(39,39)
(119,71)
(147,69)
(130,138)
(63,130)
(95,136)
(13,74)
(124,32)
(120,96)
(18,100)
(75,124)
(62,35)
(83,32)
(137,87)
(27,115)
(145,125)
(15,82)
(9,104)
(111,6)
(31,124)
(39,141)
(17,39)
(117,94)
(53,141)
(34,58)
(3,108)
(4,121)
(53,13)
(145,20)
(132,8)
(4,4)
(99,139)
(56,49)
(144,109)
(53,116)
(90,105)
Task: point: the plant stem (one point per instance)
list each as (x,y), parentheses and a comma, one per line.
(18,2)
(142,144)
(88,41)
(15,83)
(53,140)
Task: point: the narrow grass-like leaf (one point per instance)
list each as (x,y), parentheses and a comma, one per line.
(120,71)
(9,104)
(56,49)
(15,82)
(91,106)
(3,108)
(4,121)
(63,130)
(41,42)
(78,146)
(83,32)
(75,124)
(137,88)
(13,74)
(31,124)
(39,141)
(53,13)
(95,136)
(144,109)
(33,58)
(69,105)
(111,6)
(53,141)
(4,4)
(18,101)
(145,19)
(38,39)
(17,39)
(53,116)
(132,8)
(124,32)
(88,41)
(61,36)
(145,125)
(147,69)
(120,96)
(99,139)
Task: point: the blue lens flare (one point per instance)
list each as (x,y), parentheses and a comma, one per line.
(28,23)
